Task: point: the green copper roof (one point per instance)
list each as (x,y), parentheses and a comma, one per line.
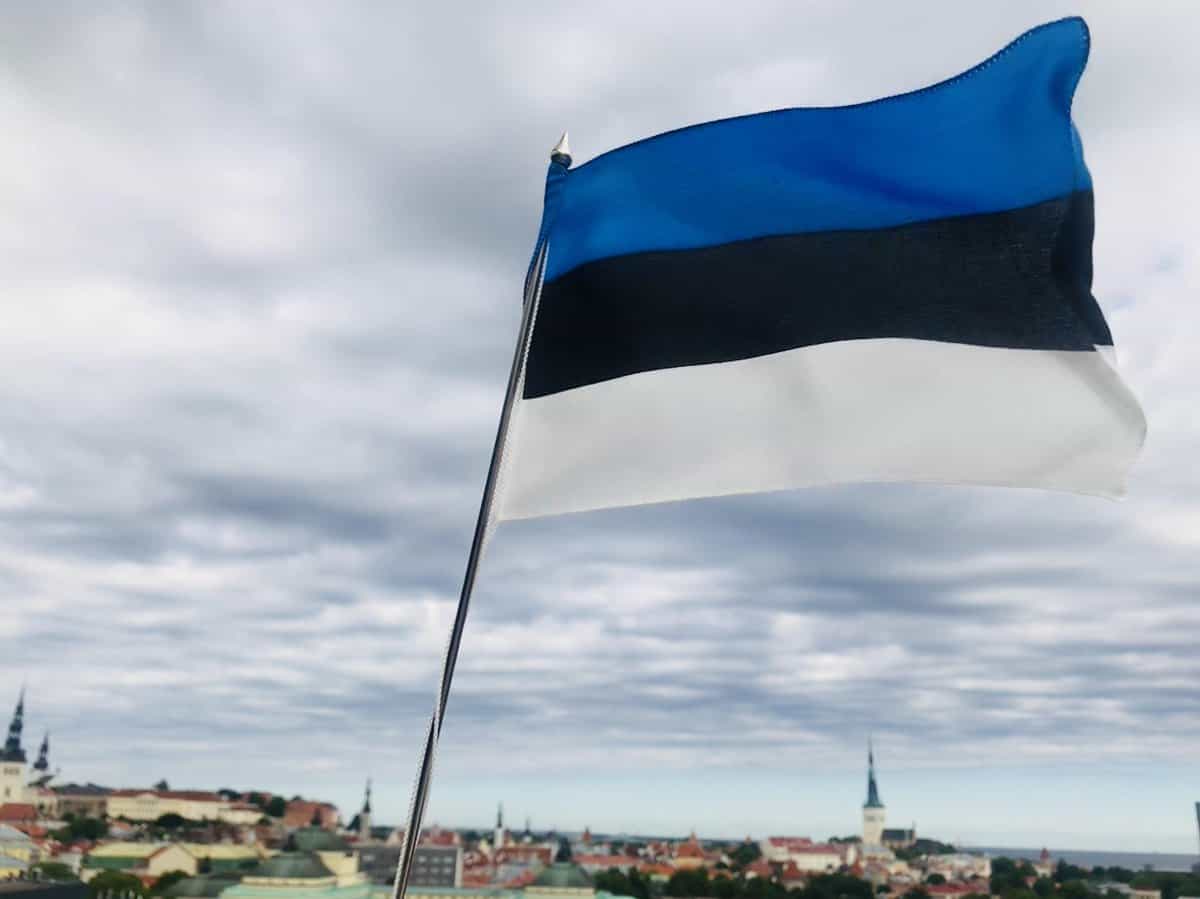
(202,887)
(873,800)
(562,875)
(292,865)
(316,839)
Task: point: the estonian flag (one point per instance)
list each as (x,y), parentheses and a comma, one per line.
(897,290)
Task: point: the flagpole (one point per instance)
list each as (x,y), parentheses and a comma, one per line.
(420,793)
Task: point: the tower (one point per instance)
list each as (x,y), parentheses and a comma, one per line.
(12,759)
(498,839)
(364,817)
(874,811)
(42,765)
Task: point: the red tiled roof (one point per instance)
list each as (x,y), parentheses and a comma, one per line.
(299,813)
(817,849)
(791,872)
(17,811)
(790,842)
(947,889)
(655,868)
(607,861)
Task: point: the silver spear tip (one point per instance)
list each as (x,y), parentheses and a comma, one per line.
(563,149)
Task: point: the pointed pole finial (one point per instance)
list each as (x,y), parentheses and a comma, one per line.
(562,151)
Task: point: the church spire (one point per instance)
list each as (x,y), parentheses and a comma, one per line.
(873,800)
(364,817)
(12,746)
(43,760)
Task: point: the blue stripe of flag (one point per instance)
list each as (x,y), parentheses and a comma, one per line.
(994,138)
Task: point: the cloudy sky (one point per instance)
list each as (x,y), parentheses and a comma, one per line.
(260,266)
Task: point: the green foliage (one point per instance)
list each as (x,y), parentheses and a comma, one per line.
(1018,893)
(117,882)
(82,829)
(167,881)
(922,847)
(51,871)
(276,807)
(170,821)
(621,883)
(1121,875)
(1172,884)
(917,893)
(1009,876)
(935,879)
(162,785)
(1073,889)
(257,799)
(745,854)
(1044,887)
(837,886)
(1064,872)
(688,883)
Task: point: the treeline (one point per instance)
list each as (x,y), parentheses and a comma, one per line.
(1010,880)
(698,883)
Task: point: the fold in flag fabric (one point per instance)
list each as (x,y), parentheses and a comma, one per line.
(898,290)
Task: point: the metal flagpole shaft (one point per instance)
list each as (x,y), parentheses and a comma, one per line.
(420,795)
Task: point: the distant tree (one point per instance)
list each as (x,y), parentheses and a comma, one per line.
(1009,875)
(51,871)
(316,818)
(620,883)
(1044,887)
(161,785)
(115,882)
(1073,889)
(745,854)
(935,879)
(276,807)
(227,793)
(258,799)
(1064,872)
(82,829)
(837,886)
(297,798)
(168,880)
(688,883)
(917,893)
(170,821)
(471,836)
(1121,875)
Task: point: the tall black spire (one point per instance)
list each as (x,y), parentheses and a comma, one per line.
(367,798)
(12,746)
(43,760)
(873,800)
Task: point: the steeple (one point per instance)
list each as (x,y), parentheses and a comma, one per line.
(364,817)
(873,800)
(12,746)
(43,760)
(498,836)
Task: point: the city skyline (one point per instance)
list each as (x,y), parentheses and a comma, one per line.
(265,276)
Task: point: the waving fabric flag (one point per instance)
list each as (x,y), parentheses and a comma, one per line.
(898,290)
